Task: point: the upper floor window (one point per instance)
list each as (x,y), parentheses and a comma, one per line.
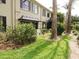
(39,10)
(35,8)
(3,1)
(43,12)
(24,4)
(48,14)
(30,6)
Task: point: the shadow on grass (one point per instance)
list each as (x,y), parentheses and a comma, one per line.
(36,51)
(52,54)
(55,51)
(66,55)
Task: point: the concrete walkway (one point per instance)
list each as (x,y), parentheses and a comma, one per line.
(74,50)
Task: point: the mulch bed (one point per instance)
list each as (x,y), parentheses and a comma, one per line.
(8,45)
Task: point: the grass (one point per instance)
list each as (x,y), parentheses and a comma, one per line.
(41,49)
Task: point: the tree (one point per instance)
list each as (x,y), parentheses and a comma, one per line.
(60,17)
(54,20)
(68,18)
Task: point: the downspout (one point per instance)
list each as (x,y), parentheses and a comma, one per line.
(15,14)
(12,13)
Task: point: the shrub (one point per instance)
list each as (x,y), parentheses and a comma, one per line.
(77,27)
(24,33)
(44,31)
(2,36)
(60,29)
(78,40)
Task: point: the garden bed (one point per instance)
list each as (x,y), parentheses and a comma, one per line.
(8,46)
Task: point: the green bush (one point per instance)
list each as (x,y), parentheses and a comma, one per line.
(77,27)
(2,36)
(24,33)
(60,28)
(44,31)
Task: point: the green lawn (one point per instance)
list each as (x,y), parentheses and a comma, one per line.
(41,49)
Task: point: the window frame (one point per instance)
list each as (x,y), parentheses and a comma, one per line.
(3,1)
(24,4)
(3,23)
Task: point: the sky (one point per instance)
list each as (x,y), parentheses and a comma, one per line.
(61,4)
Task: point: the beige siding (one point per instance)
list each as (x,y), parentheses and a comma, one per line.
(13,12)
(5,10)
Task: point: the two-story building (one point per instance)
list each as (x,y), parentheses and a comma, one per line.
(13,12)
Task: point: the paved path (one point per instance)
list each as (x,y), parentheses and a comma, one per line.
(74,53)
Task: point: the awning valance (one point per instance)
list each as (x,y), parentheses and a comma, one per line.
(28,18)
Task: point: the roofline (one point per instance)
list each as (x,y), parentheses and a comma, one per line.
(42,6)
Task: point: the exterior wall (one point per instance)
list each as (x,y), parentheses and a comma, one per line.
(13,12)
(20,12)
(5,10)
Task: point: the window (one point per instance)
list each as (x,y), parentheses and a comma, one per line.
(35,8)
(30,6)
(3,1)
(2,23)
(39,10)
(24,4)
(43,12)
(48,14)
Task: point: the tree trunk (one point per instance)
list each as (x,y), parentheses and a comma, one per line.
(68,18)
(54,20)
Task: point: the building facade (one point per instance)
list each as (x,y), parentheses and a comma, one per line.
(13,12)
